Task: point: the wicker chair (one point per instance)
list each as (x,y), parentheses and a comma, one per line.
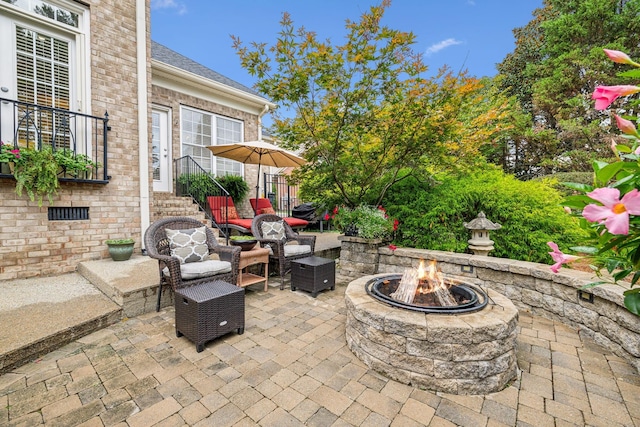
(281,254)
(157,245)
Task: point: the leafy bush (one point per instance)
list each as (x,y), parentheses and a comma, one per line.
(363,221)
(236,186)
(198,186)
(432,215)
(557,179)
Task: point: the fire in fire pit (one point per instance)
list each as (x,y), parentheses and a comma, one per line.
(427,290)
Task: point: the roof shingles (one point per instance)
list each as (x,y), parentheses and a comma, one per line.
(164,54)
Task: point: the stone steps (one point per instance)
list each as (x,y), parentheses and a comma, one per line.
(166,204)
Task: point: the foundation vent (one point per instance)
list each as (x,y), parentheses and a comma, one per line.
(68,213)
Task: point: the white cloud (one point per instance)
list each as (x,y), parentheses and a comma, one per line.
(435,48)
(169,4)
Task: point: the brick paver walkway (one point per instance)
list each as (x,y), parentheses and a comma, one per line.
(291,367)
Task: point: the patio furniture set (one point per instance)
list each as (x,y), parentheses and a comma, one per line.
(209,291)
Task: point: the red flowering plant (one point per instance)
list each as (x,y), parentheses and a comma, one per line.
(609,209)
(364,221)
(8,153)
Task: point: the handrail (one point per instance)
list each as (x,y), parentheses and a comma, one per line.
(192,180)
(33,126)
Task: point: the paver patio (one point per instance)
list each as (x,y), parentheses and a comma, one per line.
(292,367)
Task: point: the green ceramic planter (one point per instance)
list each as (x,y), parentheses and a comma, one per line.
(120,251)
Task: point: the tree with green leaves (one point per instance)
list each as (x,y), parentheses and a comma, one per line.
(364,114)
(557,62)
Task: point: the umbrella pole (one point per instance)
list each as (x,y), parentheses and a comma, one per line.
(258,181)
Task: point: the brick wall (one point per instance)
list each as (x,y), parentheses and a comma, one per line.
(31,245)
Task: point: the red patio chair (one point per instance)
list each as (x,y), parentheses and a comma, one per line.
(224,214)
(263,206)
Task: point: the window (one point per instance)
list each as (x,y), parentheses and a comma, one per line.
(201,129)
(47,65)
(228,132)
(42,77)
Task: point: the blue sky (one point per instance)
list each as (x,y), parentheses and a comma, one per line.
(464,34)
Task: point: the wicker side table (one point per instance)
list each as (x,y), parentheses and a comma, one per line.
(209,310)
(313,274)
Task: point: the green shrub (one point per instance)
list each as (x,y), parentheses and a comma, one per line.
(432,215)
(557,179)
(368,222)
(236,186)
(198,186)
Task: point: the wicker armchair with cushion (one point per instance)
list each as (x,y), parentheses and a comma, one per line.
(183,247)
(274,233)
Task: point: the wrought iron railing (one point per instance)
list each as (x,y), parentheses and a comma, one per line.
(30,126)
(283,197)
(192,180)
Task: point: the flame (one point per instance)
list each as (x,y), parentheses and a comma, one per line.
(430,278)
(423,280)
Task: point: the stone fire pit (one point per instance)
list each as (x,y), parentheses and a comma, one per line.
(472,353)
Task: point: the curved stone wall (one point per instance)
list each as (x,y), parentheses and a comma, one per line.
(598,312)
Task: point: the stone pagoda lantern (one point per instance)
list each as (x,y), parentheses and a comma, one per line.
(480,244)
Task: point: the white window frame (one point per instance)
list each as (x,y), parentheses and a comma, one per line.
(80,64)
(214,135)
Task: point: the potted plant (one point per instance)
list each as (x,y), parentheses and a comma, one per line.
(120,249)
(245,242)
(75,165)
(36,172)
(8,157)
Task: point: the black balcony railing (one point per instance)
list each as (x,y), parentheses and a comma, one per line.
(30,126)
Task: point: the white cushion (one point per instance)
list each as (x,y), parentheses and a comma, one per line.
(290,250)
(196,270)
(188,245)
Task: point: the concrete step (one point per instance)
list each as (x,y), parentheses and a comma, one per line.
(131,284)
(40,315)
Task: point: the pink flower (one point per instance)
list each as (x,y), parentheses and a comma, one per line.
(395,224)
(637,152)
(605,95)
(16,153)
(614,212)
(626,126)
(393,247)
(617,56)
(559,257)
(326,217)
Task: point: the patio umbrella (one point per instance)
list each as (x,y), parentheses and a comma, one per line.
(257,153)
